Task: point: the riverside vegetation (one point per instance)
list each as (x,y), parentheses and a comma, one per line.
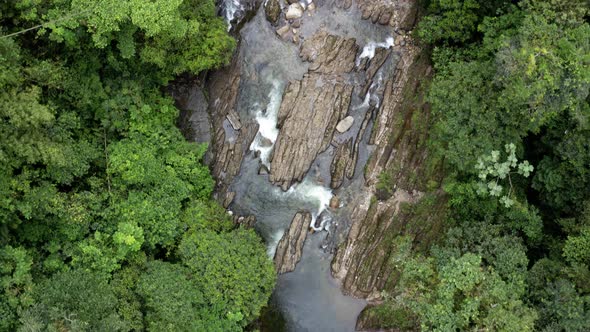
(107,222)
(106,216)
(510,102)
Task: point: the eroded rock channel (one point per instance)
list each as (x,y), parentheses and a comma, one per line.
(301,123)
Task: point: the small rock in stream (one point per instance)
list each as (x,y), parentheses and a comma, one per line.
(263,170)
(272,9)
(334,202)
(283,31)
(294,11)
(345,124)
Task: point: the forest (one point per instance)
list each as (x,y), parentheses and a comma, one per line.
(510,98)
(107,221)
(106,216)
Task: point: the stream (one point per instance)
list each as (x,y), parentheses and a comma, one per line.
(308,298)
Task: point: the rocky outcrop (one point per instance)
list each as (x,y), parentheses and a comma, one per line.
(231,138)
(363,262)
(329,54)
(311,108)
(245,221)
(399,13)
(290,247)
(342,160)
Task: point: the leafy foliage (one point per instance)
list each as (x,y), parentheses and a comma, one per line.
(98,187)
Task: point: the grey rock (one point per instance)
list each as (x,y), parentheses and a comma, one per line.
(308,115)
(263,170)
(234,119)
(229,197)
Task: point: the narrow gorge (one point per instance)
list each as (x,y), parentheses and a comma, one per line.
(316,135)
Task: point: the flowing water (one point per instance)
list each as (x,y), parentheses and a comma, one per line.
(309,298)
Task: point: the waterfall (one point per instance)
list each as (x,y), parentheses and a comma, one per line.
(267,121)
(229,10)
(371,46)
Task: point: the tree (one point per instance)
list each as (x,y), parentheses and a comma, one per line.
(232,268)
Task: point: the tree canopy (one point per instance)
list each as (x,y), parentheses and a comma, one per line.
(102,198)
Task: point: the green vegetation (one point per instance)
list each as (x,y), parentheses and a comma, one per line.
(106,217)
(511,119)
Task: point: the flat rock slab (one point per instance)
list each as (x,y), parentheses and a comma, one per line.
(290,247)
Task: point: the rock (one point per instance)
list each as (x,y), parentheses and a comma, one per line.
(351,167)
(311,108)
(272,9)
(322,218)
(234,119)
(296,24)
(334,202)
(311,7)
(283,31)
(265,142)
(245,221)
(229,197)
(294,11)
(228,152)
(399,14)
(290,247)
(292,1)
(345,124)
(263,170)
(329,54)
(340,163)
(306,131)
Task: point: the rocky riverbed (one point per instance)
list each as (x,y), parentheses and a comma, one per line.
(302,122)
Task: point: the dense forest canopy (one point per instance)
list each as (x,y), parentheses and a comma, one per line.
(106,216)
(510,97)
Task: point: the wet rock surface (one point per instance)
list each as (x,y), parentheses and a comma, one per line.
(231,138)
(290,246)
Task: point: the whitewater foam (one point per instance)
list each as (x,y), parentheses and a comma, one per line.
(267,121)
(371,46)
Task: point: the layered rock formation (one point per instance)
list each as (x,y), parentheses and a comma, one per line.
(311,108)
(231,138)
(290,247)
(399,134)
